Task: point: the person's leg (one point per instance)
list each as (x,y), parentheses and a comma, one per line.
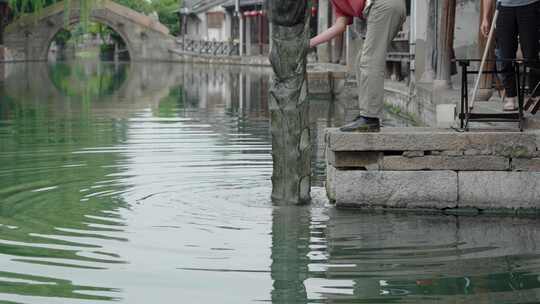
(506,34)
(528,25)
(384,20)
(383,23)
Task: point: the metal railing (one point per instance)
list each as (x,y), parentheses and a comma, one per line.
(218,48)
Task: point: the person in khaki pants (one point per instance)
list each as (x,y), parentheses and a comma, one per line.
(384,20)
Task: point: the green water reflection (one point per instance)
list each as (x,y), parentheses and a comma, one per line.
(45,211)
(150,182)
(88,81)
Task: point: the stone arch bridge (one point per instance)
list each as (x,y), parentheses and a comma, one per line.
(29,37)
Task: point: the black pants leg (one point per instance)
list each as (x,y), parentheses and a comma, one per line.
(507,33)
(528,20)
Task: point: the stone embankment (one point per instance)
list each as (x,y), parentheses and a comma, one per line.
(434,169)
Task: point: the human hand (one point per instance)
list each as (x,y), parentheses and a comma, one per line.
(311,43)
(485,27)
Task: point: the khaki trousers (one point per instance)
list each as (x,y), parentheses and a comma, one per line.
(384,20)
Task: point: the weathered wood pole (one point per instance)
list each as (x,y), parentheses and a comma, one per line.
(289,109)
(485,92)
(445,44)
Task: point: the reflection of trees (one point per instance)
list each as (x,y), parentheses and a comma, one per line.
(49,287)
(56,205)
(6,102)
(172,103)
(34,156)
(87,81)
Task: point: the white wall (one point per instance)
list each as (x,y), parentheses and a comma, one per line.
(218,34)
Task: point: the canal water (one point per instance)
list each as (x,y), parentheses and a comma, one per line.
(150,183)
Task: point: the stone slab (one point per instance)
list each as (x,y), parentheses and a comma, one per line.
(400,189)
(456,163)
(353,159)
(525,164)
(498,189)
(330,184)
(511,144)
(413,153)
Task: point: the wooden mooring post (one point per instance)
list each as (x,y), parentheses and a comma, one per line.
(289,109)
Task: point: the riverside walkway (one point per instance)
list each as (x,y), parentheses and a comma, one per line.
(489,169)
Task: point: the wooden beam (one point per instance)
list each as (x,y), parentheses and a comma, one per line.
(445,44)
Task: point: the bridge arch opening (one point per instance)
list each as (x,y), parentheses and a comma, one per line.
(99,40)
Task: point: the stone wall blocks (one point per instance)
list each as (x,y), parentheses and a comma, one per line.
(330,183)
(398,189)
(492,189)
(453,153)
(420,139)
(415,168)
(413,153)
(455,163)
(524,164)
(354,159)
(517,151)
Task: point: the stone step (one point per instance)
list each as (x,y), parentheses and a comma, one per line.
(484,190)
(379,161)
(434,169)
(396,189)
(456,163)
(502,143)
(495,190)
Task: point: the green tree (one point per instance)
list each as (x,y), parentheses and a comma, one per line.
(62,37)
(166,10)
(20,7)
(141,6)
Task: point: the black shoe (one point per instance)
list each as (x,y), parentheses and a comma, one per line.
(362,124)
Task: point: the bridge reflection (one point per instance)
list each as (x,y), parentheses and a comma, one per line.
(137,85)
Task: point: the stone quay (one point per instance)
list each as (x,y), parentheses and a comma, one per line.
(426,169)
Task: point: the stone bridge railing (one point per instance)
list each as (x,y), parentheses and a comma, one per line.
(220,48)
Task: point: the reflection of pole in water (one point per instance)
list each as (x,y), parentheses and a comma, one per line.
(241,90)
(290,248)
(289,109)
